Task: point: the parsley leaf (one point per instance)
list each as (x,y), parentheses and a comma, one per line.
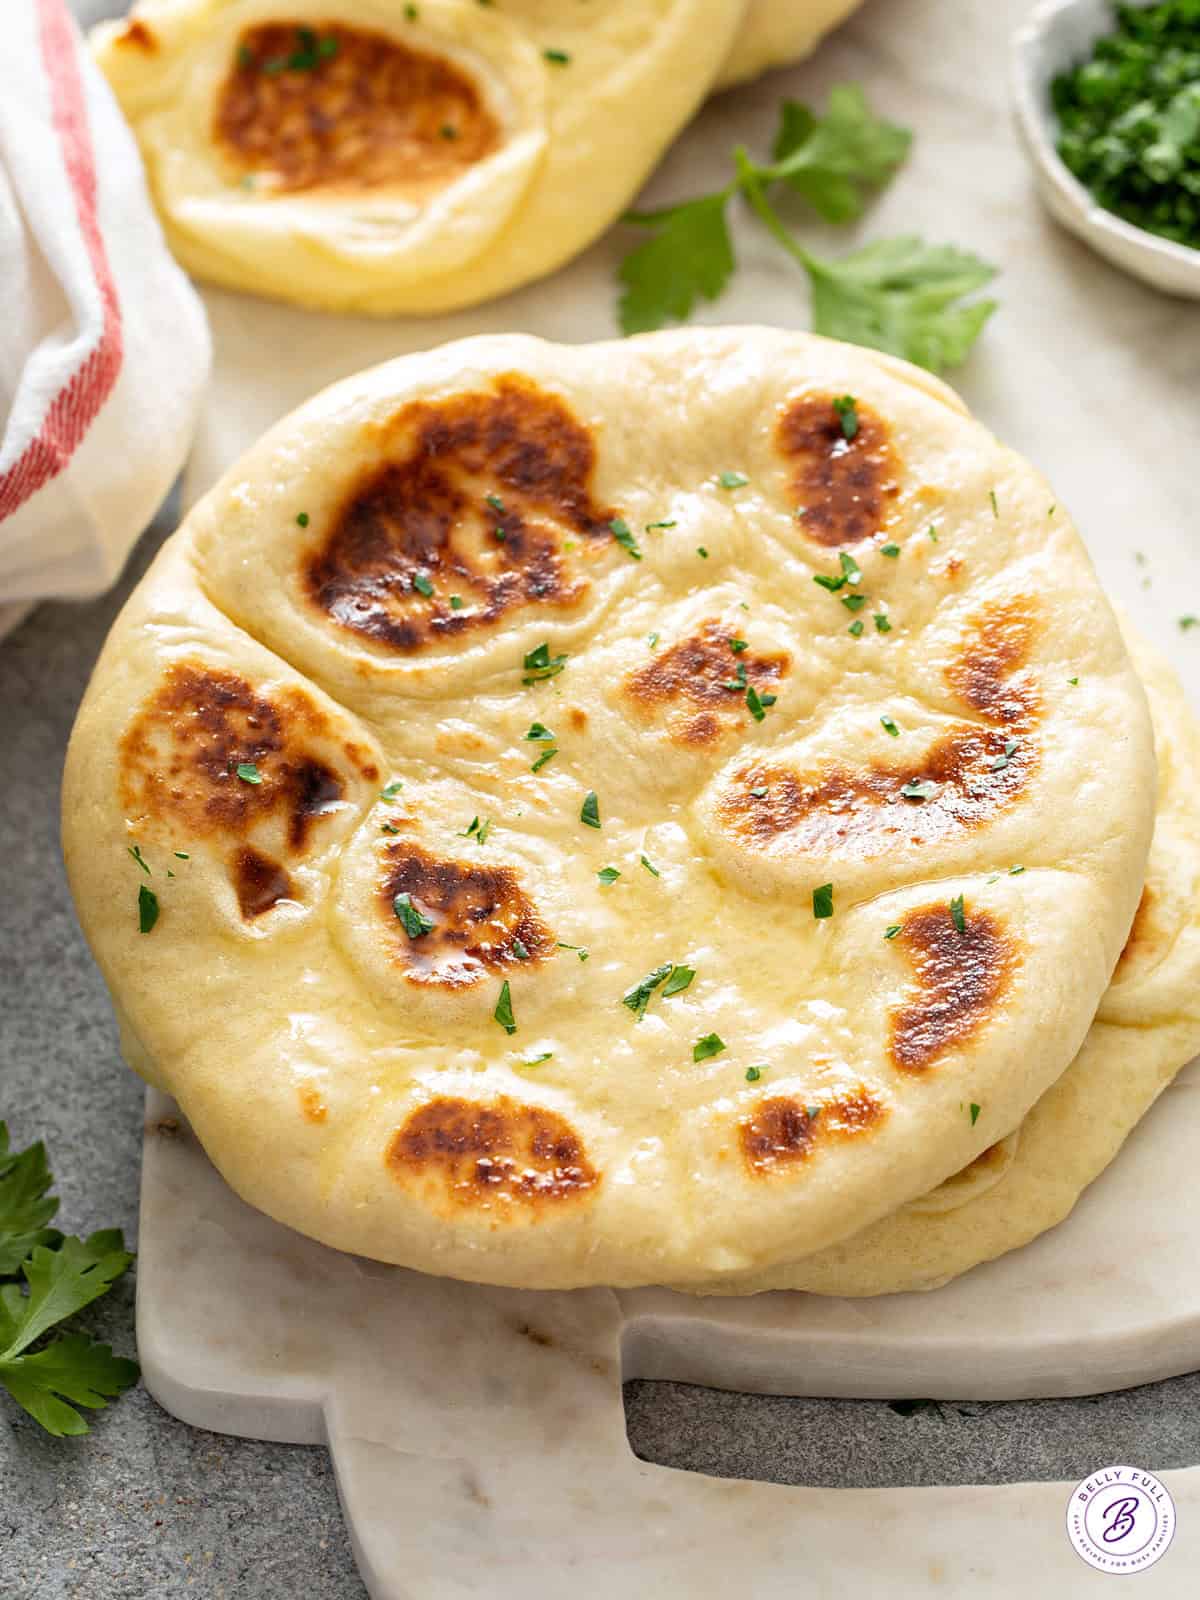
(478,829)
(539,733)
(903,296)
(822,901)
(147,909)
(72,1367)
(919,789)
(623,534)
(608,875)
(712,1044)
(690,257)
(248,772)
(25,1206)
(503,1013)
(539,664)
(831,160)
(958,914)
(680,978)
(975,1110)
(589,813)
(889,726)
(650,867)
(638,998)
(413,921)
(847,414)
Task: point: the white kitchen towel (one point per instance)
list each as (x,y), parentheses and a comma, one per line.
(104,346)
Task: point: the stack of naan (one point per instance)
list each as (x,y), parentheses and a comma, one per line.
(674,811)
(387,157)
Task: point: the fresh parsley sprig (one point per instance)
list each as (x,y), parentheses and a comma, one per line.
(61,1276)
(900,295)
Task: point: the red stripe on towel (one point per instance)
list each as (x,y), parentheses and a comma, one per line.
(71,413)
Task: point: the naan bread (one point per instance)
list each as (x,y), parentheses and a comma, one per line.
(1146,1030)
(442,569)
(776,32)
(380,157)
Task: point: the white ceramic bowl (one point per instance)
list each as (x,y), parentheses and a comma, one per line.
(1060,33)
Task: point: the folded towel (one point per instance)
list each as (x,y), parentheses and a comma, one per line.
(104,347)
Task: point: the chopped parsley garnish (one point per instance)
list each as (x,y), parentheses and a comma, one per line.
(589,813)
(536,1061)
(248,772)
(557,58)
(757,703)
(975,1110)
(854,602)
(182,855)
(1012,871)
(623,534)
(519,949)
(478,829)
(889,726)
(919,789)
(392,790)
(1001,761)
(608,875)
(856,628)
(147,909)
(900,295)
(733,480)
(539,733)
(580,950)
(670,523)
(456,602)
(652,640)
(135,850)
(702,552)
(499,533)
(760,793)
(893,930)
(992,498)
(411,13)
(889,549)
(847,413)
(411,920)
(539,664)
(932,532)
(650,867)
(302,519)
(753,1074)
(958,914)
(422,584)
(638,998)
(678,981)
(495,502)
(822,901)
(832,584)
(504,1011)
(546,755)
(1072,681)
(1188,622)
(850,568)
(711,1045)
(883,623)
(738,645)
(386,827)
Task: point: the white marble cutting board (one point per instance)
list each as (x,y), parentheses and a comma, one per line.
(478,1434)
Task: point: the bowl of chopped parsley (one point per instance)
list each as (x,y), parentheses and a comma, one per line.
(1107,99)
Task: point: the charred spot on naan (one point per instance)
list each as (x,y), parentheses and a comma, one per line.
(484,499)
(136,35)
(962,976)
(483,921)
(988,672)
(845,490)
(975,772)
(964,779)
(461,1153)
(700,683)
(327,107)
(782,1132)
(211,758)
